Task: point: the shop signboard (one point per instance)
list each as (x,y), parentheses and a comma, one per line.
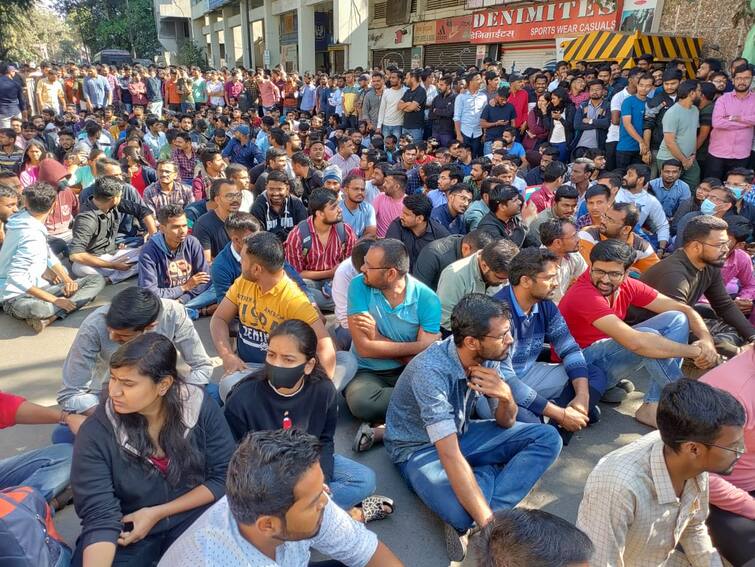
(446,30)
(544,20)
(394,37)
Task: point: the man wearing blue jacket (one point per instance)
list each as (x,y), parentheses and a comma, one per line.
(28,266)
(172,264)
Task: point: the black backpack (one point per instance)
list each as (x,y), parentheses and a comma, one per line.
(306,236)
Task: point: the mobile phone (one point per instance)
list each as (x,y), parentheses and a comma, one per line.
(128,526)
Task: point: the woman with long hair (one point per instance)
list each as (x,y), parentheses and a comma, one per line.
(149,461)
(35,152)
(292,390)
(536,132)
(139,173)
(559,121)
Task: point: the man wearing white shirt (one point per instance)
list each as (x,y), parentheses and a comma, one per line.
(468,108)
(345,272)
(390,118)
(633,191)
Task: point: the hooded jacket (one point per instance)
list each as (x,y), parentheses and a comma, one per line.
(24,256)
(67,203)
(163,272)
(111,479)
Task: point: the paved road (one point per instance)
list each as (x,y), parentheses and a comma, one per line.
(31,365)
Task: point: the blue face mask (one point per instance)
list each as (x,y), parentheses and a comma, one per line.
(737,192)
(707,207)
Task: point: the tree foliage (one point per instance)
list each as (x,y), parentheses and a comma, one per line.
(32,33)
(114,24)
(190,54)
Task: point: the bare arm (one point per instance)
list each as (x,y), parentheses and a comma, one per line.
(99,554)
(627,121)
(326,351)
(384,557)
(673,147)
(462,480)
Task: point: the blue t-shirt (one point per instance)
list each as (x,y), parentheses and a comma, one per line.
(360,219)
(494,114)
(420,309)
(634,107)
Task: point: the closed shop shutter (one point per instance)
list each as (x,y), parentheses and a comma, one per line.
(401,58)
(517,57)
(450,56)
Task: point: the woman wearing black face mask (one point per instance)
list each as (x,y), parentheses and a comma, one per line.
(292,390)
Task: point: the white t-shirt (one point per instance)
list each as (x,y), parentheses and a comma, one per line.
(559,133)
(616,102)
(342,277)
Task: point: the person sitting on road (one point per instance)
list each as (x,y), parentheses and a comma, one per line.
(504,219)
(439,254)
(595,308)
(392,317)
(318,244)
(225,200)
(485,271)
(172,264)
(522,537)
(464,469)
(563,207)
(415,227)
(275,510)
(34,286)
(93,249)
(292,390)
(345,272)
(646,503)
(559,237)
(277,210)
(261,298)
(149,460)
(567,393)
(450,215)
(133,311)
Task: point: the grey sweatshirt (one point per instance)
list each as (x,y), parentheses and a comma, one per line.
(85,369)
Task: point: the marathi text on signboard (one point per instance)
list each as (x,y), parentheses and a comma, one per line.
(544,21)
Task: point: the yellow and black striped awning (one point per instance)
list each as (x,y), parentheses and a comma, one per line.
(625,47)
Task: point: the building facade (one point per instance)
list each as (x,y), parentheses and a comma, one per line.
(334,35)
(173,21)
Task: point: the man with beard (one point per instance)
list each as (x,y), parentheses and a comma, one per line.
(484,271)
(415,227)
(646,503)
(618,222)
(680,125)
(276,507)
(563,207)
(317,154)
(504,220)
(593,118)
(733,126)
(8,207)
(442,113)
(694,270)
(466,469)
(567,393)
(559,237)
(655,109)
(224,200)
(595,308)
(451,215)
(277,211)
(652,220)
(732,497)
(318,244)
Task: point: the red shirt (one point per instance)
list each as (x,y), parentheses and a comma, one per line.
(520,100)
(137,181)
(583,304)
(542,198)
(319,258)
(9,404)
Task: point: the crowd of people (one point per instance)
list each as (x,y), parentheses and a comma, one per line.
(473,261)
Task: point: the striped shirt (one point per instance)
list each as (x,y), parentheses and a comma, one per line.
(185,164)
(319,258)
(11,161)
(155,198)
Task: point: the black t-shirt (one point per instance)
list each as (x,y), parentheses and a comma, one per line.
(210,231)
(494,114)
(254,405)
(416,119)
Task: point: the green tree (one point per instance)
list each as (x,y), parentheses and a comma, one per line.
(35,33)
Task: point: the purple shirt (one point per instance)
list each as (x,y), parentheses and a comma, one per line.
(233,90)
(732,139)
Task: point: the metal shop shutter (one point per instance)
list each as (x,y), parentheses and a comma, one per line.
(402,58)
(517,59)
(450,55)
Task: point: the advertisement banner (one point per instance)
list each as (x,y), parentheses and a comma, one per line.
(544,21)
(640,15)
(390,38)
(446,30)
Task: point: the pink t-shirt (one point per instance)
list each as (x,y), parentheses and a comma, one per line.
(737,377)
(386,211)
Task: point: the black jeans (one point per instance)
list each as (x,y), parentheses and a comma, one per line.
(625,159)
(733,535)
(718,167)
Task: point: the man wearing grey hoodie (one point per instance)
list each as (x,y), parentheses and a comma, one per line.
(28,267)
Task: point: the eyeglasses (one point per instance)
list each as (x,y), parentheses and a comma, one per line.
(719,245)
(737,452)
(497,338)
(613,276)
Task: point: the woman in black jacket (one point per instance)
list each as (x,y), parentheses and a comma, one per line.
(149,461)
(559,121)
(292,390)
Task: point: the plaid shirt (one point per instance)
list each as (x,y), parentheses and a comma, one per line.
(319,258)
(185,163)
(155,198)
(633,516)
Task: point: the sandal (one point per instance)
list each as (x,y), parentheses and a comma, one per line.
(364,439)
(374,508)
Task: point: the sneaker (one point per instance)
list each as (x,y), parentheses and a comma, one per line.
(614,395)
(626,385)
(456,543)
(63,499)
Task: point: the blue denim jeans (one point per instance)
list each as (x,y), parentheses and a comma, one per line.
(415,133)
(506,464)
(352,482)
(387,130)
(475,144)
(207,297)
(617,362)
(47,469)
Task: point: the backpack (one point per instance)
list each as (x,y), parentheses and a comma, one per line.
(306,236)
(28,537)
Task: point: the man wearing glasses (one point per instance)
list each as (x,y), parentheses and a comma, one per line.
(595,308)
(646,503)
(694,270)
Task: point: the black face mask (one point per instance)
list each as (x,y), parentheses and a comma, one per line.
(281,377)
